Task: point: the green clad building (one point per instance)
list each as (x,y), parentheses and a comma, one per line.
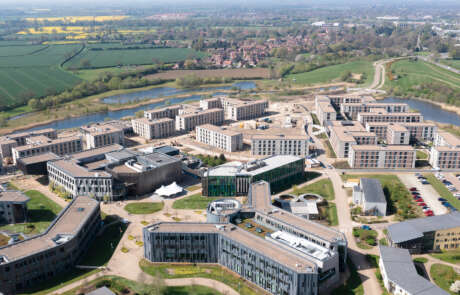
(233,178)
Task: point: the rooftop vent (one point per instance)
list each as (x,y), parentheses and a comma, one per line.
(80,209)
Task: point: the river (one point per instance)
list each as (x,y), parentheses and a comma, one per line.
(139,95)
(429,111)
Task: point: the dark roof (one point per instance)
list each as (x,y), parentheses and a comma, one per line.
(372,190)
(401,270)
(166,149)
(38,158)
(414,228)
(101,291)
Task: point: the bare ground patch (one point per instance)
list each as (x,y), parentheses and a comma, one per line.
(225,73)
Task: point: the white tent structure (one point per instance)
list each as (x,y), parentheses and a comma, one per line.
(169,190)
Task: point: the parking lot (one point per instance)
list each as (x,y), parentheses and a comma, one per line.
(454,180)
(427,192)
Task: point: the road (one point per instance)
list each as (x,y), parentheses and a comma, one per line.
(446,67)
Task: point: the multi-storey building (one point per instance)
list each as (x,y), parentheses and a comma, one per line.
(8,142)
(397,134)
(80,181)
(384,116)
(296,256)
(445,152)
(13,207)
(40,144)
(38,259)
(100,134)
(400,276)
(343,137)
(156,128)
(376,156)
(227,140)
(211,103)
(187,121)
(234,178)
(418,131)
(351,110)
(246,110)
(337,100)
(435,233)
(166,112)
(324,110)
(271,145)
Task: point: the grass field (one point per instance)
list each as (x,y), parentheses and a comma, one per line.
(452,256)
(144,207)
(110,58)
(455,63)
(413,73)
(444,276)
(41,211)
(196,201)
(442,190)
(332,73)
(321,187)
(226,73)
(74,19)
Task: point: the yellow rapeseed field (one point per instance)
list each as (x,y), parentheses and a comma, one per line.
(56,30)
(74,19)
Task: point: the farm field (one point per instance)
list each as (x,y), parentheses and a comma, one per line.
(333,73)
(109,58)
(74,19)
(412,73)
(225,73)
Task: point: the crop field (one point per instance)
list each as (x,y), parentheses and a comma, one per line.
(332,73)
(74,19)
(110,58)
(51,56)
(6,51)
(225,73)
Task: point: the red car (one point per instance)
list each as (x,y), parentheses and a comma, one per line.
(419,200)
(428,213)
(416,197)
(413,189)
(421,204)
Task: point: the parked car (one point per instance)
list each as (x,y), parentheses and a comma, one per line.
(366,227)
(442,200)
(429,213)
(413,189)
(421,204)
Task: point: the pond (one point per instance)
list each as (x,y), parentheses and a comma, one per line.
(428,110)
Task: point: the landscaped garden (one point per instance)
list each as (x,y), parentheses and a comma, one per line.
(321,187)
(196,201)
(365,238)
(144,207)
(444,276)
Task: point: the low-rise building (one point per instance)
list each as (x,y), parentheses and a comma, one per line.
(36,165)
(397,134)
(154,128)
(433,233)
(166,112)
(227,140)
(377,156)
(101,134)
(445,152)
(400,276)
(369,194)
(272,145)
(13,207)
(187,121)
(8,142)
(40,144)
(234,178)
(38,259)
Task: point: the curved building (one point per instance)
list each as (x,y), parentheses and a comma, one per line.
(222,210)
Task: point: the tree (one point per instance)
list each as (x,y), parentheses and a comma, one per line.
(34,104)
(114,83)
(3,122)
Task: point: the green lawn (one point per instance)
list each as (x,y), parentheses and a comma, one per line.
(144,207)
(333,73)
(321,187)
(421,155)
(41,212)
(332,217)
(442,190)
(452,256)
(315,119)
(399,201)
(421,260)
(353,285)
(444,276)
(329,150)
(455,63)
(196,201)
(172,271)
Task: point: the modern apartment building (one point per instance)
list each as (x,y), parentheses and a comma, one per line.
(418,131)
(153,128)
(384,116)
(101,134)
(211,103)
(80,181)
(245,110)
(337,100)
(271,145)
(324,110)
(295,256)
(8,142)
(377,156)
(13,207)
(343,137)
(445,152)
(400,276)
(227,140)
(435,233)
(166,112)
(187,121)
(351,110)
(234,178)
(41,144)
(397,134)
(40,258)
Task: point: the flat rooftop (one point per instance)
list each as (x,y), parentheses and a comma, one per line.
(13,197)
(252,168)
(264,247)
(76,170)
(371,147)
(397,128)
(69,222)
(194,113)
(164,109)
(148,121)
(218,129)
(279,136)
(39,141)
(97,151)
(39,158)
(98,129)
(450,139)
